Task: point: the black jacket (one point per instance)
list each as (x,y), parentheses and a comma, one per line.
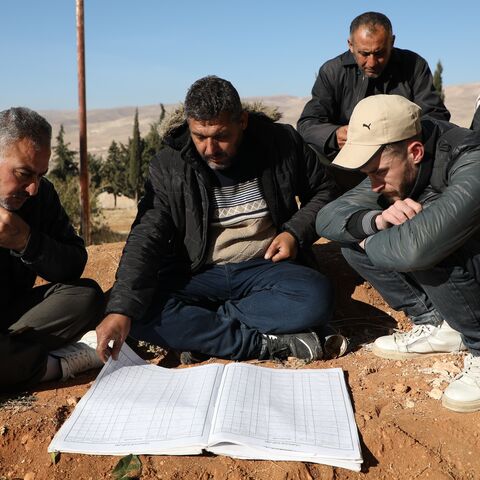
(170,232)
(340,85)
(55,252)
(448,187)
(476,120)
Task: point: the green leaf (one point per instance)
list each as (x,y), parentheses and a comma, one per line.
(128,468)
(55,456)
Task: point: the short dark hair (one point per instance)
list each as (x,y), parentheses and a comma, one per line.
(371,19)
(400,147)
(18,123)
(211,96)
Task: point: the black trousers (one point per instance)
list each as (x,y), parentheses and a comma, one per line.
(43,319)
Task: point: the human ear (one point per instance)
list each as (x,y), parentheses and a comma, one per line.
(416,151)
(350,44)
(244,120)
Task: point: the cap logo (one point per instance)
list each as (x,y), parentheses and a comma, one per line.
(367,126)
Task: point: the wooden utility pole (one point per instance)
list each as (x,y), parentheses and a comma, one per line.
(82,122)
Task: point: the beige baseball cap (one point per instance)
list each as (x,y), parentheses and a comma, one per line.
(376,121)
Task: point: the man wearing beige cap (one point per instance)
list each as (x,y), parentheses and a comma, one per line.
(412,230)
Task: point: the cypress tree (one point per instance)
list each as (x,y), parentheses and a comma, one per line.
(114,172)
(437,80)
(63,158)
(135,167)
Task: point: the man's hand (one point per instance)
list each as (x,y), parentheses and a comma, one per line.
(341,134)
(283,246)
(114,327)
(398,213)
(14,232)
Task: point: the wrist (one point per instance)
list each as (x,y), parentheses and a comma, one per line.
(22,246)
(381,223)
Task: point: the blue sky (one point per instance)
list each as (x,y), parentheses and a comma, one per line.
(149,51)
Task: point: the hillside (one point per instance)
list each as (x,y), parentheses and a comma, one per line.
(404,431)
(105,125)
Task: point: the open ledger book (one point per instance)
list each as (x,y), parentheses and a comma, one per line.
(238,409)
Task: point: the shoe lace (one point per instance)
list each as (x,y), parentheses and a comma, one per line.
(78,361)
(415,332)
(471,367)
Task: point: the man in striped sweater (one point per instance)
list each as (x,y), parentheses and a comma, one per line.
(212,265)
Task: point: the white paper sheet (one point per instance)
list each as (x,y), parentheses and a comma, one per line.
(303,411)
(134,407)
(239,409)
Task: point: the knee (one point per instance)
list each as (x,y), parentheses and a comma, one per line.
(353,255)
(88,299)
(318,302)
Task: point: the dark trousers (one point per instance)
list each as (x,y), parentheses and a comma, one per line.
(43,319)
(223,310)
(448,291)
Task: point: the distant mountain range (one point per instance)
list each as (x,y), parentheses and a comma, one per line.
(105,125)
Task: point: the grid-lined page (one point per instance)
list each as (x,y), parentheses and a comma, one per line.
(298,410)
(136,407)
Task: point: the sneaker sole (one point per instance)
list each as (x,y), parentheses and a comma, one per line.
(393,355)
(460,407)
(335,346)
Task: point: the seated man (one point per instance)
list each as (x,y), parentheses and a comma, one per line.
(36,238)
(208,267)
(371,66)
(412,230)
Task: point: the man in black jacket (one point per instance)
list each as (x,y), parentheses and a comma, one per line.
(412,230)
(36,238)
(209,265)
(371,66)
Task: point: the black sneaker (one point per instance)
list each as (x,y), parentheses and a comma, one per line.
(305,346)
(190,358)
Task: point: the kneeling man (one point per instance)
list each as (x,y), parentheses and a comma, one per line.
(412,230)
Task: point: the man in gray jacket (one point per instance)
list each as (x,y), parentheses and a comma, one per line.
(371,66)
(412,230)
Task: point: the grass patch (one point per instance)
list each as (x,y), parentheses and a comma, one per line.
(105,234)
(18,402)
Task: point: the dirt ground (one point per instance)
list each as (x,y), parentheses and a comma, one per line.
(405,433)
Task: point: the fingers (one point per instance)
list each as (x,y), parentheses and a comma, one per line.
(341,134)
(283,246)
(103,350)
(415,206)
(271,250)
(14,231)
(401,211)
(114,328)
(280,255)
(117,346)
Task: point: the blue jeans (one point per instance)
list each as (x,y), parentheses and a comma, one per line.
(223,310)
(448,291)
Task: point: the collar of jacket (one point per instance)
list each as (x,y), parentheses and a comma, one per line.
(431,132)
(179,138)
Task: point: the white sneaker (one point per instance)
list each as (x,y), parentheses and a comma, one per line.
(78,357)
(463,394)
(421,340)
